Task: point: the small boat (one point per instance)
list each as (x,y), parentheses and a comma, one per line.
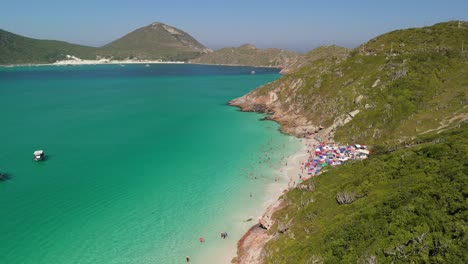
(38,155)
(3,176)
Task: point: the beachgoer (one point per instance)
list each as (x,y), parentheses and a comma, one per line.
(225,234)
(202,240)
(187,259)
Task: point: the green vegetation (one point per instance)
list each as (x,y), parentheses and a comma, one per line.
(248,54)
(409,207)
(403,83)
(15,49)
(154,42)
(403,204)
(331,52)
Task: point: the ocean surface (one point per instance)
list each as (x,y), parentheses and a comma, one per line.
(142,161)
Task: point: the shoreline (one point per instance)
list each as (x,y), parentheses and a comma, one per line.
(117,62)
(251,244)
(92,62)
(236,65)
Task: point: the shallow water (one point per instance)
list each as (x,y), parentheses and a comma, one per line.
(142,161)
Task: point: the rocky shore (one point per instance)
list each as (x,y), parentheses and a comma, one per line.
(250,246)
(291,122)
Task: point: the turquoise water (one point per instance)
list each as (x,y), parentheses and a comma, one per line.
(142,161)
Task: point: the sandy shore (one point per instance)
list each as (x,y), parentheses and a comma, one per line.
(77,62)
(250,246)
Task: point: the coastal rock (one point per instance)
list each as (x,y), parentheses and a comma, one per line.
(250,246)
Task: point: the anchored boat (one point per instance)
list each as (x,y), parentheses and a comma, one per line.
(3,176)
(38,155)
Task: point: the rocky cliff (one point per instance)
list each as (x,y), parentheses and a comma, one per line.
(387,90)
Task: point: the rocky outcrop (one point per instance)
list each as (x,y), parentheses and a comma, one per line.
(250,246)
(292,121)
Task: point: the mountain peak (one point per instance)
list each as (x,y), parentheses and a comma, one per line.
(157,41)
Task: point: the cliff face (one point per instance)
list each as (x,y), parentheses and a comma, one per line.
(386,91)
(266,100)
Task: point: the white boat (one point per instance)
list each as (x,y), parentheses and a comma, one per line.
(38,155)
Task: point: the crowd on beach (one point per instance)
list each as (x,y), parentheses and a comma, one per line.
(320,156)
(315,159)
(324,155)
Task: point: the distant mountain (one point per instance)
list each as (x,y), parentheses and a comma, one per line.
(323,52)
(16,49)
(248,54)
(155,41)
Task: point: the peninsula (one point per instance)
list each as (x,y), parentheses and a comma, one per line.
(404,94)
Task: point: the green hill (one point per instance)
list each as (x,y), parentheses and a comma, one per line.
(324,52)
(386,91)
(248,54)
(404,88)
(155,41)
(16,49)
(412,209)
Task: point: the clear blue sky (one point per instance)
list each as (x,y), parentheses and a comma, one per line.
(295,24)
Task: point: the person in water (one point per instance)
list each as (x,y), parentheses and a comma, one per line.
(224,235)
(187,259)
